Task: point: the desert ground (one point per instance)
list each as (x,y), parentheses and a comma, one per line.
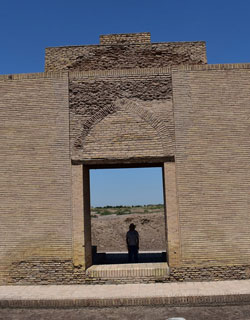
(110,224)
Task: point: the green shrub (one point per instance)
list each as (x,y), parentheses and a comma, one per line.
(123,211)
(105,212)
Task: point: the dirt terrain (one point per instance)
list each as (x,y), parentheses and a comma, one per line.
(109,227)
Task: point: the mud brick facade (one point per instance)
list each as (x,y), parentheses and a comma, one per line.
(124,56)
(212,159)
(125,102)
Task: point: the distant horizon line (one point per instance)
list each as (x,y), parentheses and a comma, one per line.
(132,205)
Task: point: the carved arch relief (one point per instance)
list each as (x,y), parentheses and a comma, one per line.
(129,128)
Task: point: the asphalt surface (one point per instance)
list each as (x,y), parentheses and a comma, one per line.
(233,302)
(130,313)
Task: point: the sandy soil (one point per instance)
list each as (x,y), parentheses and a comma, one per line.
(109,232)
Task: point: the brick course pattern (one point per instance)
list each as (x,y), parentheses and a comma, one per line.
(35,176)
(64,272)
(130,116)
(128,110)
(125,100)
(124,56)
(211,112)
(122,38)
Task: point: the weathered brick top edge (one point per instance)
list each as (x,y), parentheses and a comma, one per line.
(125,34)
(132,44)
(118,35)
(39,75)
(204,67)
(142,37)
(120,72)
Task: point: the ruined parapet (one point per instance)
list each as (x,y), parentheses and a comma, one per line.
(125,51)
(125,38)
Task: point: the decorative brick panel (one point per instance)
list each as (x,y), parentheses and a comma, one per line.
(129,115)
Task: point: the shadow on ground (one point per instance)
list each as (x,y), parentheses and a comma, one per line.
(122,257)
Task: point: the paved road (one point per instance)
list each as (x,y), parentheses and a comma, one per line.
(130,313)
(197,291)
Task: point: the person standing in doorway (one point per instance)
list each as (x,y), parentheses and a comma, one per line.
(132,239)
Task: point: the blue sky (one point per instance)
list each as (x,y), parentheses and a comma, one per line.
(126,186)
(28,27)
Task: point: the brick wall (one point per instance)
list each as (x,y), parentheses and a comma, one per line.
(117,111)
(35,176)
(121,115)
(116,104)
(122,38)
(211,112)
(124,56)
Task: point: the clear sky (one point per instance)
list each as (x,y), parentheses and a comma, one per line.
(28,26)
(126,186)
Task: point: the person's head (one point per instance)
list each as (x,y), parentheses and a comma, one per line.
(131,227)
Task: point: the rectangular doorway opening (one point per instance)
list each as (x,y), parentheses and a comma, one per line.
(121,197)
(101,249)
